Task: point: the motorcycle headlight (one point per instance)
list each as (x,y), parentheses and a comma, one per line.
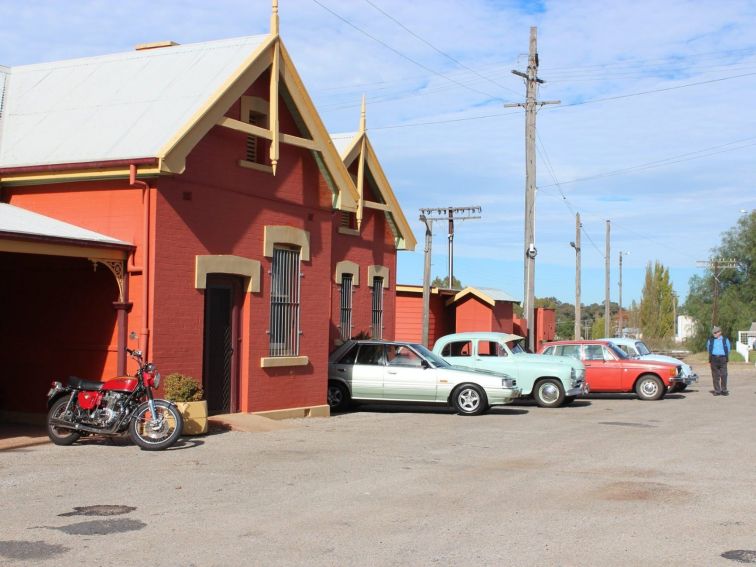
(156,380)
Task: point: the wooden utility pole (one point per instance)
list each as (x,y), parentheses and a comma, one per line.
(531,104)
(426,277)
(716,265)
(607,311)
(576,246)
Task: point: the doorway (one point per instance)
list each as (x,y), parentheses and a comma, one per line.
(220,375)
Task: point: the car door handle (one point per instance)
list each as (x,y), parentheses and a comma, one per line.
(340,370)
(391,371)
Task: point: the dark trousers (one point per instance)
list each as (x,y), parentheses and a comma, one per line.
(719,373)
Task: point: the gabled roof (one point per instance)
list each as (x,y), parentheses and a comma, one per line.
(485,294)
(113,107)
(357,146)
(104,112)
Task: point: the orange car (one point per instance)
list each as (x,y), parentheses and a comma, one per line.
(609,369)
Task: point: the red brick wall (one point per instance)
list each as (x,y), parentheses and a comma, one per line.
(374,246)
(226,214)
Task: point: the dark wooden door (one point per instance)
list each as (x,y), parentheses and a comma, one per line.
(220,375)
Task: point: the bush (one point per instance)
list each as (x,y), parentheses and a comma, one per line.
(181,388)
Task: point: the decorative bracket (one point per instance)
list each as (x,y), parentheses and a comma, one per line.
(117,268)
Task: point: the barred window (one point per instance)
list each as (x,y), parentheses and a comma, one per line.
(346,307)
(377,319)
(284,302)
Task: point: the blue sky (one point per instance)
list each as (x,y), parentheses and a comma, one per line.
(656,131)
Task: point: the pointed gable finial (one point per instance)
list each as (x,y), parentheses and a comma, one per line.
(363,116)
(274,19)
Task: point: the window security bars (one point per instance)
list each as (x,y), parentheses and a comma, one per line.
(284,303)
(377,319)
(346,307)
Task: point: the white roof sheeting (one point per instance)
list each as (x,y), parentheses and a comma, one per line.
(343,142)
(120,106)
(21,221)
(497,294)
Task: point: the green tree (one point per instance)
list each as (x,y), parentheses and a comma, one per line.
(597,329)
(438,281)
(657,308)
(737,286)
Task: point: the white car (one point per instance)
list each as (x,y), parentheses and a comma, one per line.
(636,348)
(390,371)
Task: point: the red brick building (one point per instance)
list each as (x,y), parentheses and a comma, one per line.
(190,196)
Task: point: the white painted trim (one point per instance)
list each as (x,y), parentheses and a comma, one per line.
(347,267)
(286,235)
(278,361)
(377,271)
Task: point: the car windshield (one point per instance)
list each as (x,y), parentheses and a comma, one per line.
(619,353)
(642,348)
(436,360)
(516,346)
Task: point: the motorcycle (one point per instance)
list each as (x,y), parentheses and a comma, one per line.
(84,407)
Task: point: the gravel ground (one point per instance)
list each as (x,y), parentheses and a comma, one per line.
(610,480)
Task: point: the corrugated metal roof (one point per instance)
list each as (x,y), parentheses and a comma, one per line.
(21,221)
(497,294)
(120,106)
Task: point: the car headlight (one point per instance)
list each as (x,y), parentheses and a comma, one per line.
(508,382)
(573,374)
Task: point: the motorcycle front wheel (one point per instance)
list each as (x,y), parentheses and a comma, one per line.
(159,431)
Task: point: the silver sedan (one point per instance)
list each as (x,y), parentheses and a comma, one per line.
(386,371)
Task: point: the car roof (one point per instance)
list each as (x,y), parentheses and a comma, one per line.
(580,342)
(506,337)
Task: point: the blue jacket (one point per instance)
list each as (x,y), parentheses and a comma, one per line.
(718,347)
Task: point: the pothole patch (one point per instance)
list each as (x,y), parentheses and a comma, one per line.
(741,555)
(99,510)
(30,550)
(630,491)
(102,527)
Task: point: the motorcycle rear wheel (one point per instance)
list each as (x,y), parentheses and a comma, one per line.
(58,435)
(156,434)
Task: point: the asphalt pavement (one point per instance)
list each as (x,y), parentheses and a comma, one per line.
(609,480)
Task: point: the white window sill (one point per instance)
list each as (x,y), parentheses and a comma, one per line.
(278,361)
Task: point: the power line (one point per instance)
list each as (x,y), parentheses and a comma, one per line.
(429,44)
(404,56)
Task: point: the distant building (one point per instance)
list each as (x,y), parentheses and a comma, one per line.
(686,328)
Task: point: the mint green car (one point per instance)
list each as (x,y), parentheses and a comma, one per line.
(551,380)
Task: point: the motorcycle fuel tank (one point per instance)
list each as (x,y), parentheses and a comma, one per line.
(121,384)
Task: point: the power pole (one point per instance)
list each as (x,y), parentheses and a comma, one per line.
(441,214)
(717,265)
(450,214)
(530,105)
(607,312)
(576,246)
(426,277)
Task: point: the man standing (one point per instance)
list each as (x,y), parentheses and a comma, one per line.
(719,349)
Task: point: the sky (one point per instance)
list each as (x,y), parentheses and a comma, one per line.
(655,132)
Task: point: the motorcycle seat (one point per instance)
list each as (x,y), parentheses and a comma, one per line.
(81,384)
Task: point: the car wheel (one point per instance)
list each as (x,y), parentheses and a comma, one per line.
(568,400)
(549,393)
(649,387)
(469,399)
(338,396)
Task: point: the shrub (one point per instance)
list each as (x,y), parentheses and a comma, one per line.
(181,388)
